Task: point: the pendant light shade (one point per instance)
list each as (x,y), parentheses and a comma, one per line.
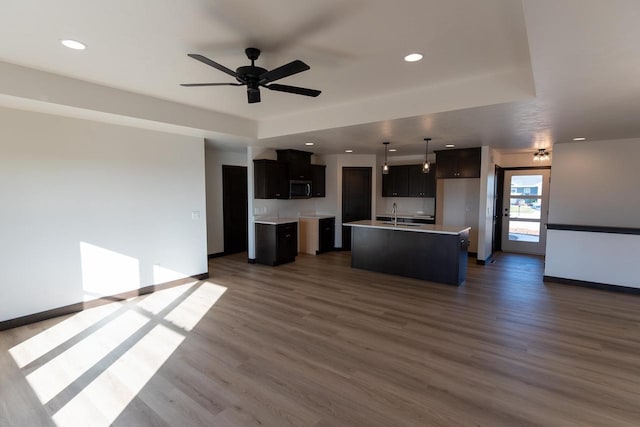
(426,168)
(385,167)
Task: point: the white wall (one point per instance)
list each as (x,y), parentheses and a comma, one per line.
(459,201)
(516,160)
(595,183)
(91,209)
(214,160)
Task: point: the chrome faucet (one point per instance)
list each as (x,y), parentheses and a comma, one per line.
(394,211)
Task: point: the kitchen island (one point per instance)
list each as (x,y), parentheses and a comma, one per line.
(423,251)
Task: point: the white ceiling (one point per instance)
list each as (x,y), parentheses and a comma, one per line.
(510,74)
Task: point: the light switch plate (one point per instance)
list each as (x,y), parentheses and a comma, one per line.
(195,214)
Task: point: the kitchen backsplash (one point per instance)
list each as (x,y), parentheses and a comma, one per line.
(424,206)
(283,208)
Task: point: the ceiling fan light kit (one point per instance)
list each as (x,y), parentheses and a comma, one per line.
(254,77)
(541,155)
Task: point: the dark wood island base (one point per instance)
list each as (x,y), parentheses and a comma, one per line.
(422,252)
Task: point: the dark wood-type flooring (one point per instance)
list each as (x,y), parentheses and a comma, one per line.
(316,343)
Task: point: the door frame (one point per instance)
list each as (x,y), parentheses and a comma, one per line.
(498,182)
(500,222)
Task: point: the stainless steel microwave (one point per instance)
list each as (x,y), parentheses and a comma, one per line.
(299,189)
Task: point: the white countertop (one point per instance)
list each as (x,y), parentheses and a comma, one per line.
(274,220)
(407,215)
(316,216)
(422,228)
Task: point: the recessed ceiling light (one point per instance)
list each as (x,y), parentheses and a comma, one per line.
(392,150)
(413,57)
(348,151)
(450,145)
(73,44)
(579,138)
(308,143)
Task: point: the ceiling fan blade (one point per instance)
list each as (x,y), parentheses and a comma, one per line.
(293,67)
(253,95)
(294,89)
(209,84)
(213,64)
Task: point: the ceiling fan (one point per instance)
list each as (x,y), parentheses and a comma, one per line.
(253,77)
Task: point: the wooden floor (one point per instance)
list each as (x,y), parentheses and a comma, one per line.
(316,343)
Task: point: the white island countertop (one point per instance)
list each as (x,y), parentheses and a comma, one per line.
(422,228)
(407,215)
(274,220)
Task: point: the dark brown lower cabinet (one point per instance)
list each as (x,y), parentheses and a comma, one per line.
(276,243)
(327,235)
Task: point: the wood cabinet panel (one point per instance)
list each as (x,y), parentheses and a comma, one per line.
(270,179)
(318,178)
(408,181)
(462,163)
(396,182)
(298,163)
(276,244)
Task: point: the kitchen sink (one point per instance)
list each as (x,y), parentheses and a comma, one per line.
(403,224)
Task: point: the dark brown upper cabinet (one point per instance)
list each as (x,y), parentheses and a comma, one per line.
(408,181)
(318,176)
(421,184)
(271,179)
(459,163)
(396,182)
(299,163)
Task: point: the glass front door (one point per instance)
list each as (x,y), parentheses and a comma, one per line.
(525,210)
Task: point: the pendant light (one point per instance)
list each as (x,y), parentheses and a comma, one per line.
(541,155)
(385,167)
(425,166)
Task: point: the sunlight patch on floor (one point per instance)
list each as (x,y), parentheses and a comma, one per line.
(102,401)
(57,374)
(37,346)
(156,302)
(196,305)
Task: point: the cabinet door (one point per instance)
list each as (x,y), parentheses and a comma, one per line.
(326,234)
(299,163)
(417,181)
(266,244)
(270,179)
(447,164)
(430,182)
(469,163)
(280,180)
(318,173)
(401,180)
(462,163)
(287,242)
(396,182)
(387,186)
